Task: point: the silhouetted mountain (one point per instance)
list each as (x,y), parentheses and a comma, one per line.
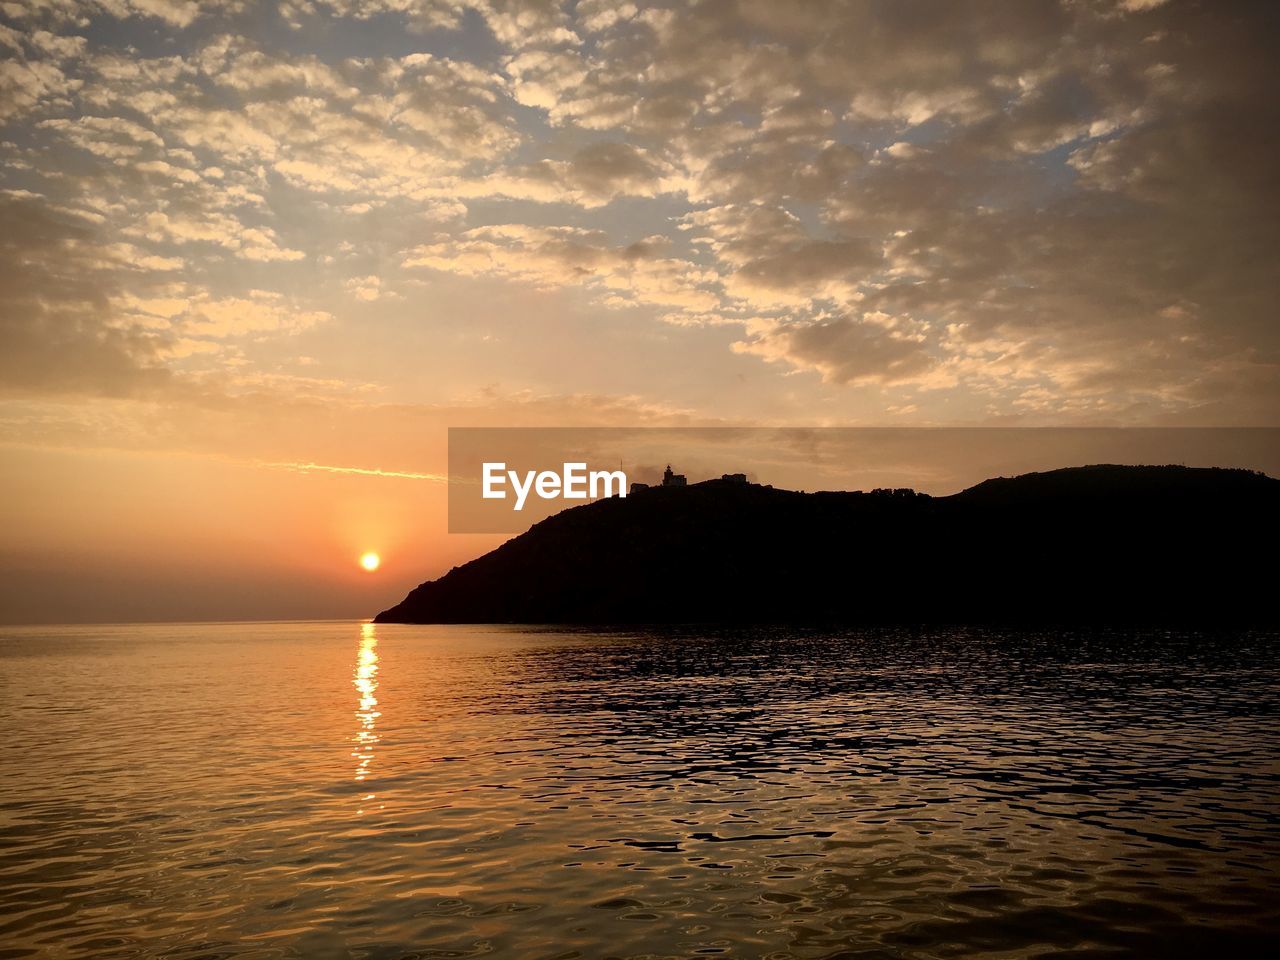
(1088,544)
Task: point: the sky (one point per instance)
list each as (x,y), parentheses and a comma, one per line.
(258,257)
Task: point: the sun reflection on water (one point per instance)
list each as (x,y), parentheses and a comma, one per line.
(366,684)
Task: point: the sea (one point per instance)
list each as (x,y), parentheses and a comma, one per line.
(350,790)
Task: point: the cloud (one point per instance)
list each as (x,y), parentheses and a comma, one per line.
(358,471)
(174,13)
(368,289)
(193,319)
(541,77)
(592,177)
(56,333)
(549,257)
(84,316)
(609,169)
(258,312)
(26,85)
(113,138)
(843,350)
(250,243)
(775,262)
(1047,203)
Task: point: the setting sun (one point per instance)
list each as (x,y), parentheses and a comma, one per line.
(370,561)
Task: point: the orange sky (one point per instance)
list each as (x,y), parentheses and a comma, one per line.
(241,238)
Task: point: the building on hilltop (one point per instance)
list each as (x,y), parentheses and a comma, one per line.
(672,479)
(669,479)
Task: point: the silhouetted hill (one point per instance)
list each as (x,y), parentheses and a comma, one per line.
(1112,482)
(1087,544)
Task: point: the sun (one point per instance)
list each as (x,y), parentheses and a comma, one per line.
(370,561)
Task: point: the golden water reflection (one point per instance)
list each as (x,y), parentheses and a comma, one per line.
(366,684)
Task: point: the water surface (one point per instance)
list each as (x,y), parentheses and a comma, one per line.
(344,790)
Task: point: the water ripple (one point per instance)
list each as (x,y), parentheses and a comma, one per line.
(346,791)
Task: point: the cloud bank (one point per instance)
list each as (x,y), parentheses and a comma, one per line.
(1056,211)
